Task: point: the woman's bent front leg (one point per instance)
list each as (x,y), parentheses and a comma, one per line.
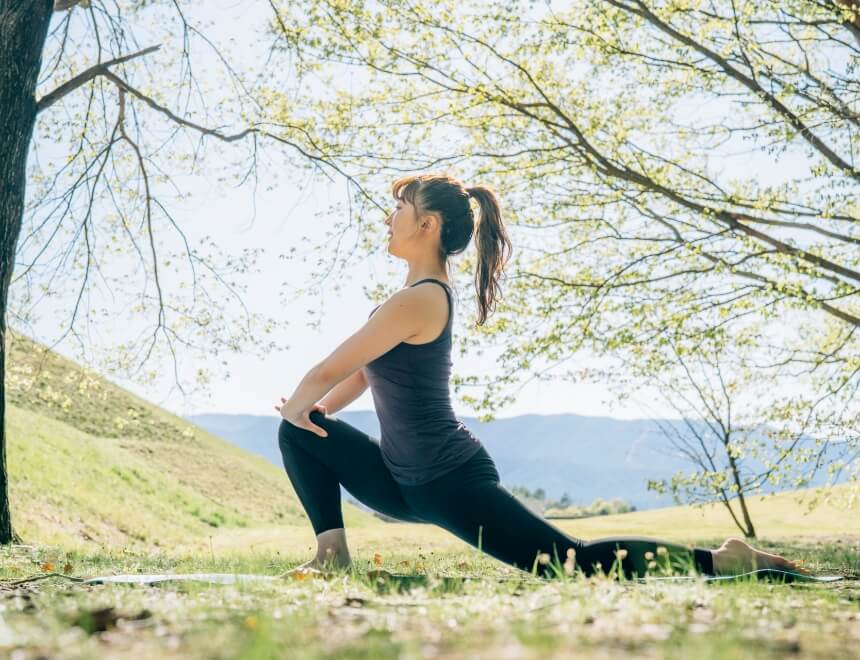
(316,466)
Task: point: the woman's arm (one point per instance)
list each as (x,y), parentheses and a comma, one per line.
(345,392)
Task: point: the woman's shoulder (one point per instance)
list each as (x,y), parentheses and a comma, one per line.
(416,303)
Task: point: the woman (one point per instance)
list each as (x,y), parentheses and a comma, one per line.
(428,467)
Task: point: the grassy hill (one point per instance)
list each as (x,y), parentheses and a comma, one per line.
(91,464)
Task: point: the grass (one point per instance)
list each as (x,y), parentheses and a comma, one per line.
(102,482)
(502,612)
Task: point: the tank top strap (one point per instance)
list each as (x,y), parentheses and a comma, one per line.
(431,279)
(447,292)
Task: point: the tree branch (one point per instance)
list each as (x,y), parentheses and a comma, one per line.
(750,83)
(63,5)
(853,26)
(82,78)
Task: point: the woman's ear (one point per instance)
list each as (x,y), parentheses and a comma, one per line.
(429,220)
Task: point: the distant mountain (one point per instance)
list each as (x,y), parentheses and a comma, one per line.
(587,457)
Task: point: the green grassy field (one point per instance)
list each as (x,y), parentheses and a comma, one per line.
(498,612)
(105,483)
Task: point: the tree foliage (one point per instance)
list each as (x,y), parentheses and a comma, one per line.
(679,176)
(134,101)
(107,113)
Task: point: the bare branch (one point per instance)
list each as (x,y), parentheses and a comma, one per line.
(82,78)
(63,5)
(793,119)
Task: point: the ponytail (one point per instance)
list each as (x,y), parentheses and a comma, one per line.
(445,195)
(494,249)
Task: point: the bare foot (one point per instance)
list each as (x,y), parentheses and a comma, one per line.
(302,572)
(317,567)
(735,556)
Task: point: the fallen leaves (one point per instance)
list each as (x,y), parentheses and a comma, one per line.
(50,566)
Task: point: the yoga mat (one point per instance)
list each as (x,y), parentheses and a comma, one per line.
(214,578)
(762,573)
(234,578)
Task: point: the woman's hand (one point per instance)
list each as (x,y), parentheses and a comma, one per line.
(302,419)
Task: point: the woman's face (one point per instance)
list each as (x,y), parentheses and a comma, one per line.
(401,223)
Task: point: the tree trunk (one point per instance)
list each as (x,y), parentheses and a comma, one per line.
(749,532)
(23,30)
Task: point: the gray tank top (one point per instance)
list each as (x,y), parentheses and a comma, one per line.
(421,437)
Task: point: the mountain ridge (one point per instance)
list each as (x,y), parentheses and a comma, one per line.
(587,457)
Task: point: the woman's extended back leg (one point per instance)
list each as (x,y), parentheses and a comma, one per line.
(479,510)
(513,533)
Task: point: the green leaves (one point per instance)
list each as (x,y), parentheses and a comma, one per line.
(638,148)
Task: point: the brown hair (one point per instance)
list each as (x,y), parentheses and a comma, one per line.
(445,195)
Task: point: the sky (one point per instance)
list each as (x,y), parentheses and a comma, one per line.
(274,219)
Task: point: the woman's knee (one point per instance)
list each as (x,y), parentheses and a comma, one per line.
(289,432)
(286,432)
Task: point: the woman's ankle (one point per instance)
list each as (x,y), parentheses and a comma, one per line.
(324,554)
(331,545)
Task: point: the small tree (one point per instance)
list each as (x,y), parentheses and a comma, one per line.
(726,423)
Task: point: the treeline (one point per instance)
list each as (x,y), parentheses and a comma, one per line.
(564,508)
(548,508)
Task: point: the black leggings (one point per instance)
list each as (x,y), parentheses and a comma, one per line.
(469,502)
